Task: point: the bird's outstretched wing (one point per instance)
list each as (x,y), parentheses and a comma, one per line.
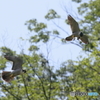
(17,62)
(84,39)
(69,38)
(73,24)
(17,68)
(6,75)
(76,31)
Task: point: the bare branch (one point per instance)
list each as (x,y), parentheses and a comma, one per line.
(76,44)
(60,27)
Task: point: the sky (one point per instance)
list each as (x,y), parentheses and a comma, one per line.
(14,14)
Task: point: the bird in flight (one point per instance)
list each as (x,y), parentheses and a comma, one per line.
(17,68)
(76,31)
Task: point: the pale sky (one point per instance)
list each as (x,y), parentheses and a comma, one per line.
(14,14)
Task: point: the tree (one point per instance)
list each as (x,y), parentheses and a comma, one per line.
(41,81)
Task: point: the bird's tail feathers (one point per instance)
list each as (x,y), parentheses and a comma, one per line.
(7,76)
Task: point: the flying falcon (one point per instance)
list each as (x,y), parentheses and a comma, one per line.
(17,68)
(76,31)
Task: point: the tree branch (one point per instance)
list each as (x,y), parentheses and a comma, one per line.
(60,27)
(11,93)
(40,80)
(25,87)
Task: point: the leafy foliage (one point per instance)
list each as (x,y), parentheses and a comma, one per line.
(52,15)
(41,82)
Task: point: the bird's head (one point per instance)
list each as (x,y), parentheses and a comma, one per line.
(81,34)
(24,71)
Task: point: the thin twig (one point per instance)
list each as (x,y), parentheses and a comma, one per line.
(60,27)
(50,86)
(76,44)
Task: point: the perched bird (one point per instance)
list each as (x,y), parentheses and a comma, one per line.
(17,68)
(76,31)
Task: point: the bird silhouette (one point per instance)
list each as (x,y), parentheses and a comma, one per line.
(76,31)
(17,68)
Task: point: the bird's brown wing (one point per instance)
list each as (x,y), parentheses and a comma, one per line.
(69,38)
(17,62)
(6,75)
(73,24)
(84,39)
